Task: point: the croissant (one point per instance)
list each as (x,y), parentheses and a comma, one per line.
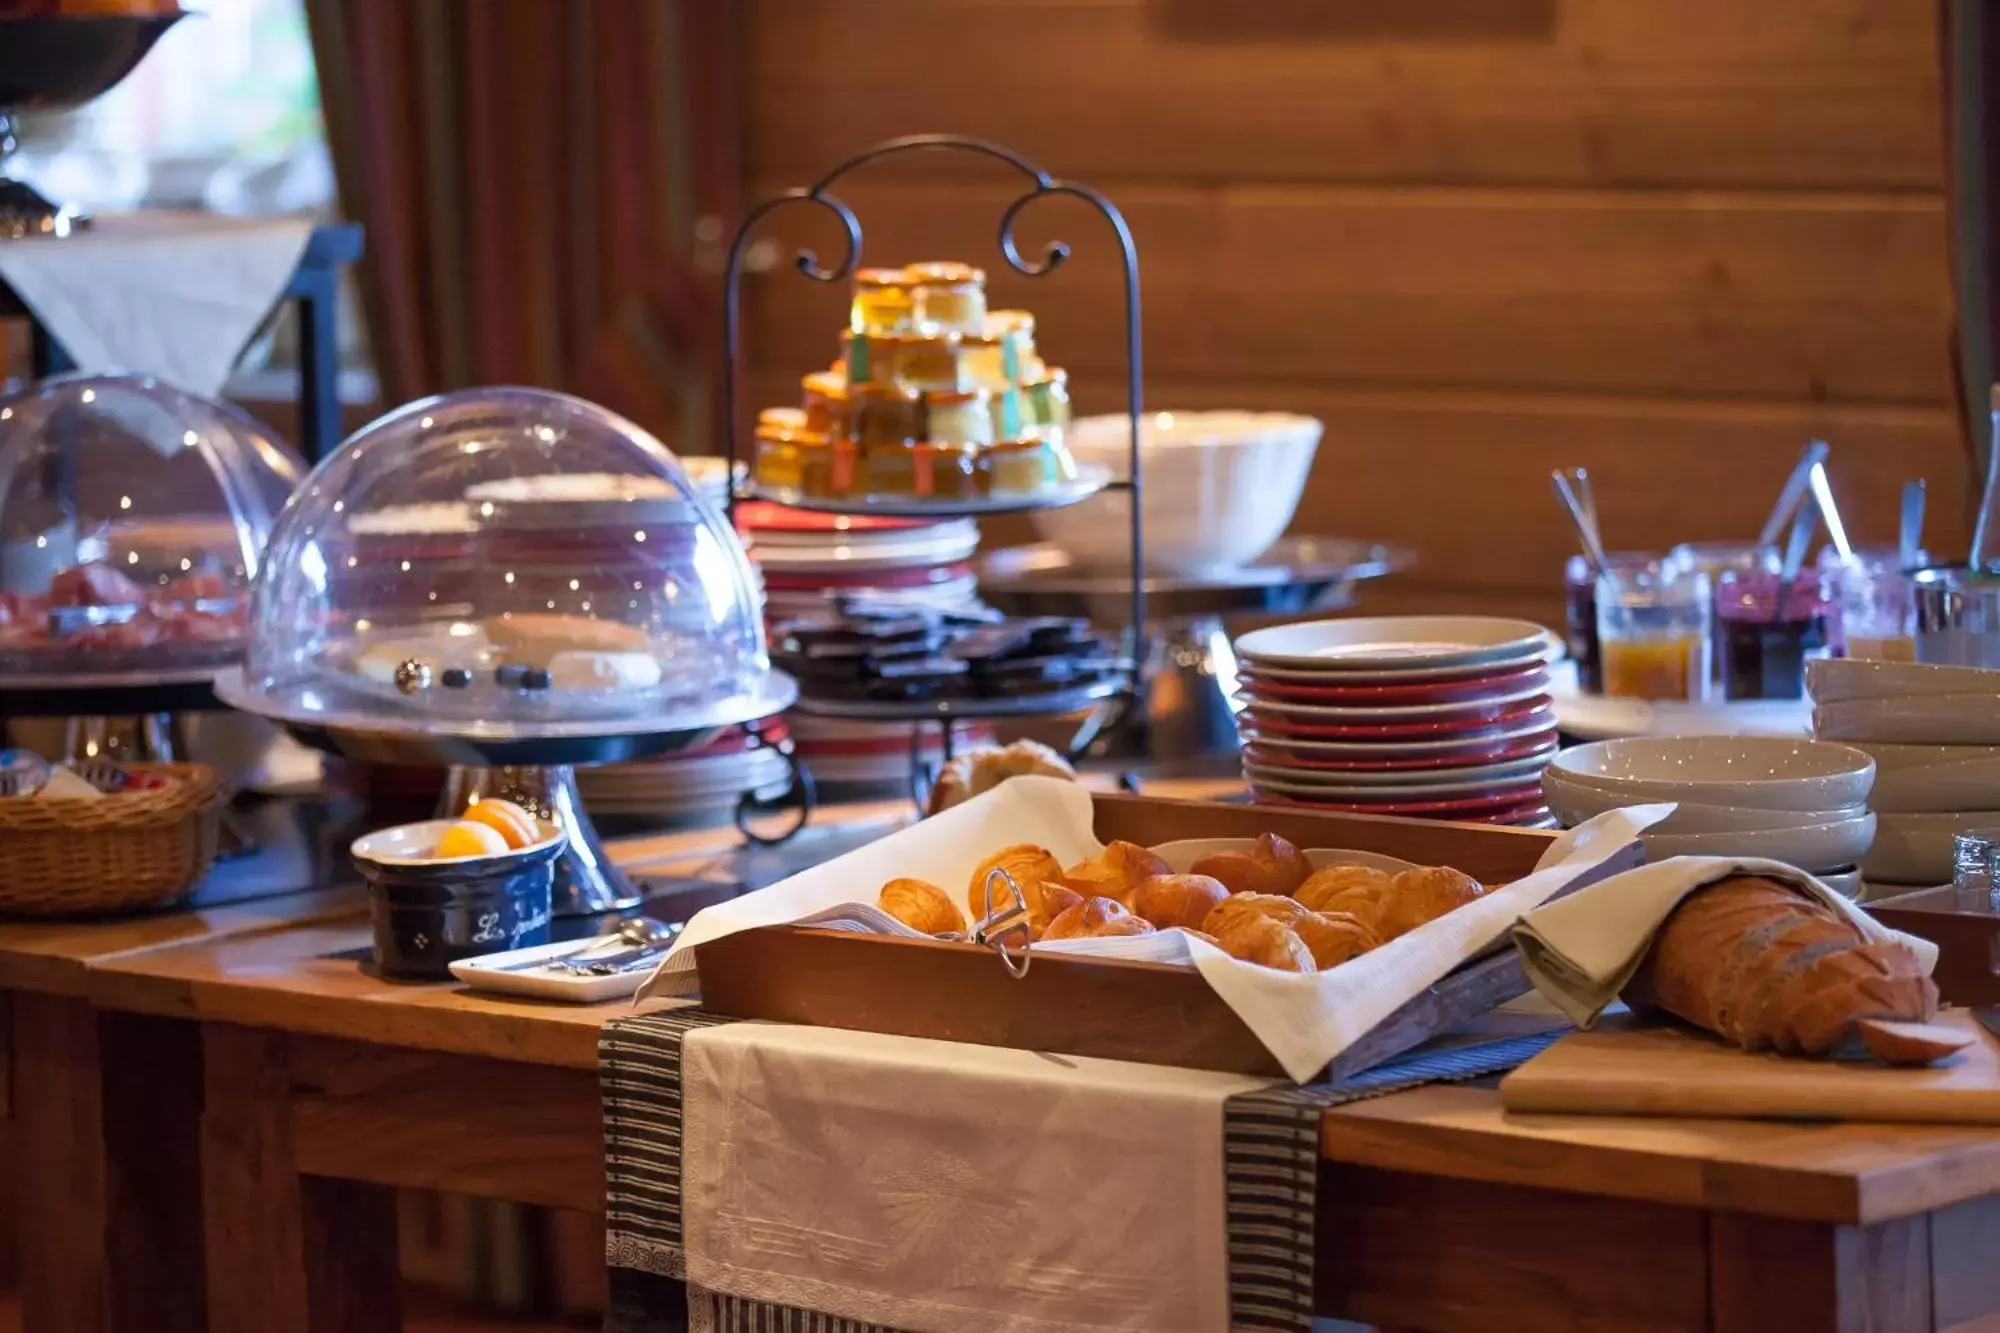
(1256,938)
(1029,866)
(971,774)
(921,905)
(1271,865)
(1177,900)
(1765,966)
(1096,917)
(1322,885)
(1423,894)
(1333,938)
(1115,871)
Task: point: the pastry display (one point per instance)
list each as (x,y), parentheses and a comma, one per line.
(973,774)
(512,563)
(934,397)
(920,905)
(1763,965)
(132,517)
(885,654)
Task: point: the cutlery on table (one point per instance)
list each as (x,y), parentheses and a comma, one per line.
(1829,512)
(1910,529)
(1586,527)
(1793,492)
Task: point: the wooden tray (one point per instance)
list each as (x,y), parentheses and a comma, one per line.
(1146,1012)
(1968,967)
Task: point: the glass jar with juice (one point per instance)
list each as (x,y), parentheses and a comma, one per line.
(1580,613)
(1653,632)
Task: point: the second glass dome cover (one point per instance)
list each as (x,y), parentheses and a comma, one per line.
(505,562)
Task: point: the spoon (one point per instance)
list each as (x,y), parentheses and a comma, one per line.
(1910,532)
(1586,530)
(1580,480)
(645,936)
(1793,492)
(1836,531)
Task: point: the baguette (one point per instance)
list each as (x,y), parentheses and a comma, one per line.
(1764,966)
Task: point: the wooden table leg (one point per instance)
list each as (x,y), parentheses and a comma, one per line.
(287,1253)
(1770,1273)
(105,1113)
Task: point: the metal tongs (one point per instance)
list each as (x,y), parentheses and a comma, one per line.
(1005,928)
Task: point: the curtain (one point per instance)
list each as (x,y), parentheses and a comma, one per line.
(544,184)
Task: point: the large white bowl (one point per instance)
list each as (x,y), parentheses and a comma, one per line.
(1220,487)
(1575,803)
(1933,778)
(1917,848)
(1912,719)
(1834,845)
(1759,772)
(1835,680)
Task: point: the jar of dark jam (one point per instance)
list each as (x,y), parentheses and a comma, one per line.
(1766,631)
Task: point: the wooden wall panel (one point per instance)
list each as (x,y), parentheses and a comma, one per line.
(1741,295)
(1713,92)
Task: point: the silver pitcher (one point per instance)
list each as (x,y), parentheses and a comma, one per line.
(1958,616)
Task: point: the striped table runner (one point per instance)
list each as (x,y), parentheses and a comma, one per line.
(1270,1151)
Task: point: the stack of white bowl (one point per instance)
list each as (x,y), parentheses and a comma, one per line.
(1796,801)
(1934,732)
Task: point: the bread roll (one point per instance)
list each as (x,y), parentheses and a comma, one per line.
(980,771)
(1115,871)
(1333,938)
(1177,900)
(1764,965)
(1096,917)
(1029,866)
(1322,885)
(1271,865)
(1422,894)
(920,905)
(1256,938)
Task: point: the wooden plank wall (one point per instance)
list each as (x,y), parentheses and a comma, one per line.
(1665,239)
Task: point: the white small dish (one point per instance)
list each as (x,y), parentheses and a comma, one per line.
(1912,719)
(508,973)
(1969,784)
(1842,679)
(1182,854)
(1834,845)
(1846,883)
(412,844)
(1392,643)
(1762,772)
(1917,848)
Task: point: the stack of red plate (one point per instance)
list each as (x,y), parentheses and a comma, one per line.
(807,560)
(1436,717)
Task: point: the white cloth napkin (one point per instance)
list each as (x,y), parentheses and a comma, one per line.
(946,1188)
(1304,1020)
(172,295)
(1581,950)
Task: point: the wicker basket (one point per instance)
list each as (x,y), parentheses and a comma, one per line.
(74,856)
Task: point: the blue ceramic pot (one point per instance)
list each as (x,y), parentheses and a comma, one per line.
(430,913)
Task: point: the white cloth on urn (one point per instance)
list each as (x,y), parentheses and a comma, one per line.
(171,295)
(1580,951)
(940,1187)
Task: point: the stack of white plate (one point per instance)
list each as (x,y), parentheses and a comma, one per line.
(1797,801)
(807,560)
(1934,732)
(1439,717)
(698,785)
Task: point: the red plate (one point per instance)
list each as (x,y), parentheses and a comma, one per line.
(1470,690)
(1498,807)
(762,515)
(1474,728)
(922,576)
(1475,710)
(1276,752)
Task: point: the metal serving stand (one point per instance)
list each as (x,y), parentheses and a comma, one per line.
(1107,700)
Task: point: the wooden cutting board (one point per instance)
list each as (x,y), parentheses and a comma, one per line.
(1629,1069)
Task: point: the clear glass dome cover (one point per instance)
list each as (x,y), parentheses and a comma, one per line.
(505,563)
(132,516)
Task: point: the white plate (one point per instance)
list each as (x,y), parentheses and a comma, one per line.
(1182,854)
(1765,772)
(833,554)
(1970,784)
(1812,847)
(1838,680)
(1397,644)
(1388,715)
(1917,848)
(1846,883)
(1575,803)
(1376,678)
(1593,717)
(1918,719)
(1414,781)
(488,973)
